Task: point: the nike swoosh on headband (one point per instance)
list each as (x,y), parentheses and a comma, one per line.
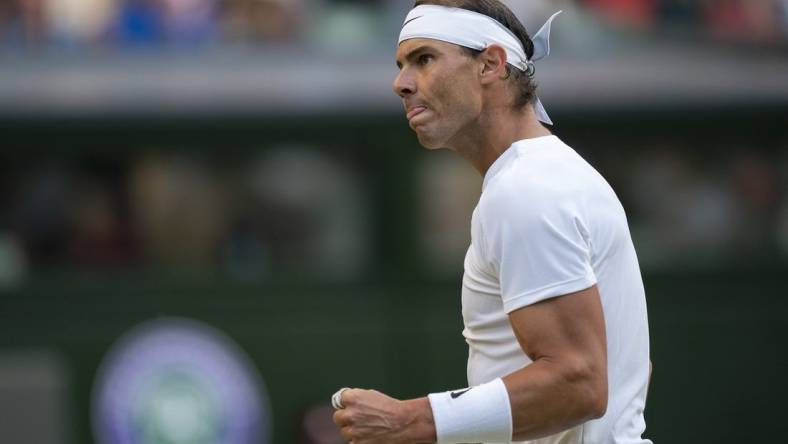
(414,18)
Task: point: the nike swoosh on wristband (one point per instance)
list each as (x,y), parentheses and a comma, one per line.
(414,18)
(455,395)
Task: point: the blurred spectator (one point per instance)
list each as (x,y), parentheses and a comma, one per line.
(41,214)
(350,26)
(191,22)
(179,210)
(22,22)
(756,182)
(140,22)
(705,216)
(309,213)
(13,263)
(98,238)
(245,253)
(448,192)
(681,212)
(750,20)
(680,12)
(73,22)
(756,185)
(784,17)
(263,20)
(726,19)
(637,12)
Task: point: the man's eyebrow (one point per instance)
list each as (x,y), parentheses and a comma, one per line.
(414,53)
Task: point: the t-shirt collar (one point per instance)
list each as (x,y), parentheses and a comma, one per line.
(509,154)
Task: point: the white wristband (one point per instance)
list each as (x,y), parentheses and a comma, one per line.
(476,414)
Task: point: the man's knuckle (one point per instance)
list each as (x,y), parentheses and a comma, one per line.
(348,433)
(352,417)
(349,397)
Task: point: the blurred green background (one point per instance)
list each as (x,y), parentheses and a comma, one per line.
(244,163)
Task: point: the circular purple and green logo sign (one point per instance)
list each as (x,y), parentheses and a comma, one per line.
(179,381)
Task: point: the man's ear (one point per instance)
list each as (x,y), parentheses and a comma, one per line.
(493,64)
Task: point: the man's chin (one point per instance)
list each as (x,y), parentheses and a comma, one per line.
(429,141)
(431,145)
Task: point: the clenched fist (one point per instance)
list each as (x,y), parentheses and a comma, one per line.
(370,417)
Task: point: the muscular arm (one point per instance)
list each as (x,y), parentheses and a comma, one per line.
(566,384)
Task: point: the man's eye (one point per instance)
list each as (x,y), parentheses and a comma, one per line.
(425,58)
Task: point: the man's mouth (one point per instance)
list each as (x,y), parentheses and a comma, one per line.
(415,111)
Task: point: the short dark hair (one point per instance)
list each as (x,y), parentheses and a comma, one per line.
(501,13)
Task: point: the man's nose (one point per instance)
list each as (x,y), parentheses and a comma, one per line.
(404,85)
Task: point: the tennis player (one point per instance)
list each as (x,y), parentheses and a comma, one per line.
(552,298)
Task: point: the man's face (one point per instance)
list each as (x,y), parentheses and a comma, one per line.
(439,87)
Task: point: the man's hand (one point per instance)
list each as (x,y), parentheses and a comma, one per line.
(370,417)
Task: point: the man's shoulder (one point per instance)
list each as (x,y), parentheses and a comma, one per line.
(544,180)
(538,174)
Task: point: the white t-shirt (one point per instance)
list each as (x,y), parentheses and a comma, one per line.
(547,224)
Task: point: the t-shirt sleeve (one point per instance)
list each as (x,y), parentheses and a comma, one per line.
(539,245)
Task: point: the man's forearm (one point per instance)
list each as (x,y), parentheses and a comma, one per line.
(548,397)
(545,398)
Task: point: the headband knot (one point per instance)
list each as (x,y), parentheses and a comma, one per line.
(478,31)
(530,68)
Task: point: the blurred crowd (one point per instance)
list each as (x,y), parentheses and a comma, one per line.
(291,210)
(691,207)
(133,23)
(737,20)
(295,210)
(147,22)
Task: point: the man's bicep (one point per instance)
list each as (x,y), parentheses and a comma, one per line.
(565,327)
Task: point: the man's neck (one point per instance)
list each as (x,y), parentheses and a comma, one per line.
(494,133)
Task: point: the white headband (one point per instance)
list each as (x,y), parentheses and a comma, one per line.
(477,31)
